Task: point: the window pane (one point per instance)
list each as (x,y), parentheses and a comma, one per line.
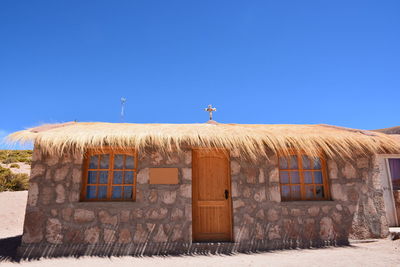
(117,177)
(296,192)
(308,177)
(319,191)
(283,164)
(285,191)
(116,192)
(306,163)
(284,177)
(118,161)
(91,192)
(127,192)
(94,162)
(309,191)
(129,164)
(293,162)
(128,178)
(394,165)
(295,178)
(102,194)
(103,177)
(317,163)
(104,161)
(318,177)
(92,177)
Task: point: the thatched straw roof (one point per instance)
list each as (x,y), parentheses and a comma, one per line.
(250,140)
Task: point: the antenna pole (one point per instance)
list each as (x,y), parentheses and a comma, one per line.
(123,100)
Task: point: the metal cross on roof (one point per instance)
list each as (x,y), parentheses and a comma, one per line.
(210,110)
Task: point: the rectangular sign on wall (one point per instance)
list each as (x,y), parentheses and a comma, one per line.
(163,175)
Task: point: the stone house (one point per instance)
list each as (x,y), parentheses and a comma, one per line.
(145,189)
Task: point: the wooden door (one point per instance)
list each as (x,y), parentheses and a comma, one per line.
(211,192)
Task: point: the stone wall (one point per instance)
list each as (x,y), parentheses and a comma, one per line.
(355,211)
(160,221)
(55,216)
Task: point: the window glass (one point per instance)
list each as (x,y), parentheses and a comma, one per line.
(394,165)
(118,161)
(129,162)
(110,176)
(94,162)
(104,161)
(302,179)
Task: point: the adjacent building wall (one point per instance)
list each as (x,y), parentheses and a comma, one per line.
(160,220)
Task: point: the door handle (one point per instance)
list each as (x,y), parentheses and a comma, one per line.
(226,194)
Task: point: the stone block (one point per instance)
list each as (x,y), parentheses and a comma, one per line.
(53,231)
(188,157)
(185,191)
(37,170)
(106,218)
(349,171)
(259,196)
(160,235)
(274,175)
(272,215)
(143,176)
(124,216)
(172,159)
(83,216)
(51,160)
(338,192)
(251,175)
(153,196)
(362,163)
(176,214)
(92,235)
(274,193)
(187,174)
(60,194)
(261,177)
(33,227)
(33,194)
(141,235)
(61,173)
(109,236)
(66,214)
(326,228)
(260,214)
(78,158)
(156,158)
(238,203)
(157,213)
(168,197)
(47,195)
(235,167)
(332,169)
(124,236)
(76,176)
(274,232)
(313,211)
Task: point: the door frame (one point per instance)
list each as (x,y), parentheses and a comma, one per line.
(387,176)
(230,208)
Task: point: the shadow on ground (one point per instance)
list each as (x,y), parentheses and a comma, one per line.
(8,248)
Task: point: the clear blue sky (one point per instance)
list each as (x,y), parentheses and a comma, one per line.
(334,62)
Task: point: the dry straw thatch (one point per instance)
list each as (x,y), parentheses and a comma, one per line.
(250,141)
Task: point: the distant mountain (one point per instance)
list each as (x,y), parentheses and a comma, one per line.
(391,130)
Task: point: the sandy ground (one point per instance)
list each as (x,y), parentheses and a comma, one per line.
(12,211)
(23,167)
(368,253)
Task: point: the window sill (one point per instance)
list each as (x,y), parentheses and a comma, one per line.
(309,202)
